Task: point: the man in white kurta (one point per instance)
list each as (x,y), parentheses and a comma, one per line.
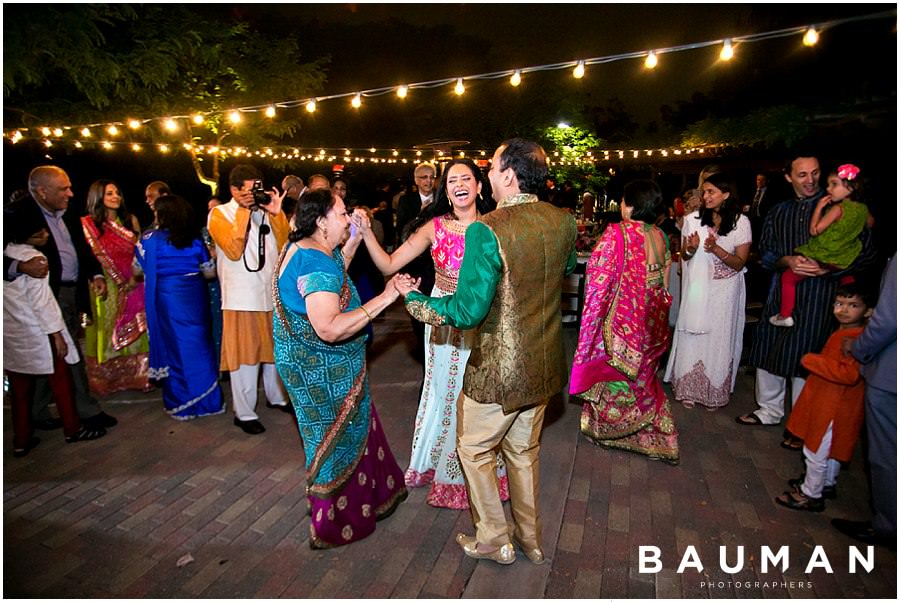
(248,239)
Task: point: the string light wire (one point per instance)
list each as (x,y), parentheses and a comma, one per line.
(311,102)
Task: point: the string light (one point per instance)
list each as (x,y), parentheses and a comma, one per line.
(45,131)
(107,145)
(78,144)
(234,117)
(16,136)
(47,143)
(460,89)
(516,78)
(136,147)
(170,124)
(86,132)
(163,148)
(810,37)
(651,61)
(578,73)
(357,101)
(727,51)
(58,132)
(134,124)
(311,106)
(270,111)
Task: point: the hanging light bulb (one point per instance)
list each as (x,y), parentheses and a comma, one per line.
(460,88)
(651,61)
(107,145)
(134,124)
(810,37)
(78,144)
(234,117)
(58,132)
(136,147)
(113,130)
(516,78)
(198,119)
(163,148)
(45,131)
(270,111)
(578,73)
(727,51)
(311,106)
(402,91)
(86,132)
(357,101)
(170,124)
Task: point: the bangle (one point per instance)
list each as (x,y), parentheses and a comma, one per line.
(688,253)
(365,311)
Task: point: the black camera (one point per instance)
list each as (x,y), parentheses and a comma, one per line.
(260,197)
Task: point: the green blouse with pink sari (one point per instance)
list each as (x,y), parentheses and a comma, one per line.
(624,333)
(116,343)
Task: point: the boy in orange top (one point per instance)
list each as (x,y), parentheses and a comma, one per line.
(829,412)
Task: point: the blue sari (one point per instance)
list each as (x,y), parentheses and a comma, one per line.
(182,353)
(352,478)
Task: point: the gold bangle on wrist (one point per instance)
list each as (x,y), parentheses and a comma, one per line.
(365,311)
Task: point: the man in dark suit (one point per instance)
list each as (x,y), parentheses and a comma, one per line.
(71,266)
(408,207)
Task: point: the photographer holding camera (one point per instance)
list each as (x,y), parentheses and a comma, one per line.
(249,232)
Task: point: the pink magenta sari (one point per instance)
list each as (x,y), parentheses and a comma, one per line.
(117,346)
(624,333)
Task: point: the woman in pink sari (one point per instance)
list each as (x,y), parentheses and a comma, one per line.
(116,340)
(624,333)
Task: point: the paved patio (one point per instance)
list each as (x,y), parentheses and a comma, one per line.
(163,509)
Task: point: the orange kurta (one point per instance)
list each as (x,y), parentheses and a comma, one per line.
(834,392)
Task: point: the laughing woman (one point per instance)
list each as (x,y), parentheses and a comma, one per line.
(442,227)
(116,340)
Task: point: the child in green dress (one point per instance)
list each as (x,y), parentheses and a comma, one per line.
(834,229)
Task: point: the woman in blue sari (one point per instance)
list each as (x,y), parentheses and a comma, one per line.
(352,479)
(182,354)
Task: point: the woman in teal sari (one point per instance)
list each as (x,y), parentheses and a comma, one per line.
(352,479)
(624,333)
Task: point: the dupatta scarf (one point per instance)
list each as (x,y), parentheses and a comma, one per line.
(114,249)
(610,344)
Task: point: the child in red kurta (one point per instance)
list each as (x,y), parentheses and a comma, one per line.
(829,411)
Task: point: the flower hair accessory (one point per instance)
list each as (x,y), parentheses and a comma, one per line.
(848,172)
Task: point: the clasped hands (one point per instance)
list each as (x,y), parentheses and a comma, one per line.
(405,284)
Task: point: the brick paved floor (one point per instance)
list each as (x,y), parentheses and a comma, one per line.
(113,517)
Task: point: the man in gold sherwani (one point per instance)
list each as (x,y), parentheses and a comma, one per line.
(509,289)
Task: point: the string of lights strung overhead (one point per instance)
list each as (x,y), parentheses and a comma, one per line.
(170,124)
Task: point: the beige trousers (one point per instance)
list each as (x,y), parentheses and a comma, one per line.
(480,429)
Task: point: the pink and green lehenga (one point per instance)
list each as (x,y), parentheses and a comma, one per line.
(624,333)
(116,343)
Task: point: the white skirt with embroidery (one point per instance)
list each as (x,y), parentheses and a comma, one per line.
(433,459)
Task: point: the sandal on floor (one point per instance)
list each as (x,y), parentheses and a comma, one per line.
(86,433)
(751,419)
(792,443)
(797,500)
(829,492)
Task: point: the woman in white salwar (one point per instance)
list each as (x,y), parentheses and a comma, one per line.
(706,349)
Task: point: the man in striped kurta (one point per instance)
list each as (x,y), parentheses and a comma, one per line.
(776,351)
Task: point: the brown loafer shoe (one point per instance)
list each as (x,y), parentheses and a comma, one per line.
(505,554)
